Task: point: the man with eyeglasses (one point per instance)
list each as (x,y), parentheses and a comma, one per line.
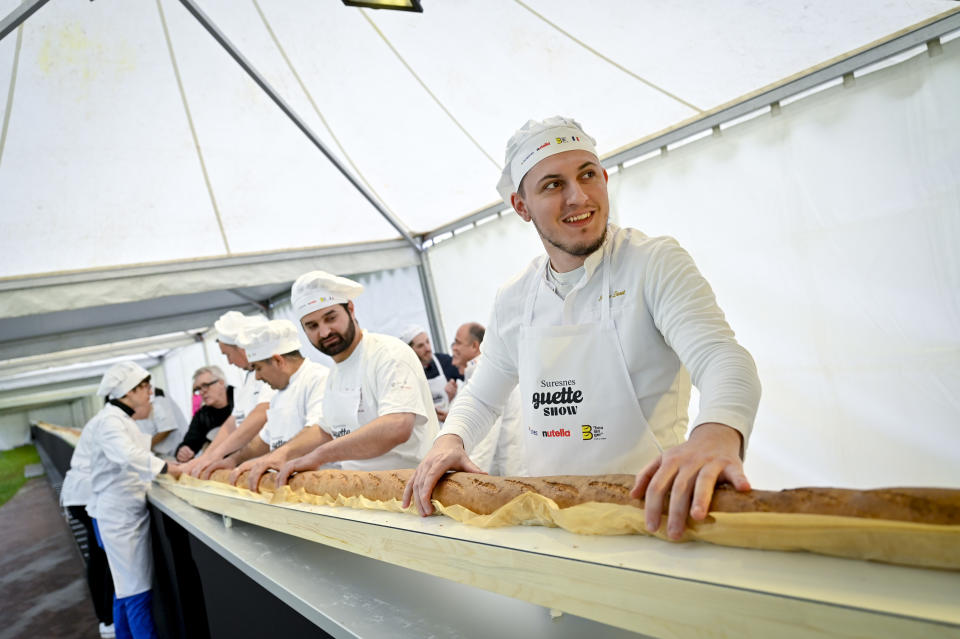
(210,385)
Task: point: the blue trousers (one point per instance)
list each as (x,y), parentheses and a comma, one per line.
(132,616)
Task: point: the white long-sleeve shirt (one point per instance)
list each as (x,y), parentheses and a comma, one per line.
(668,323)
(76,489)
(500,452)
(121,463)
(391,380)
(248,395)
(296,406)
(165,416)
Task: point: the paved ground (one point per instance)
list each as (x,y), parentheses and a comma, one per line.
(43,591)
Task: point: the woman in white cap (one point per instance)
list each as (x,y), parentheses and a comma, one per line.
(122,467)
(377,408)
(75,494)
(600,334)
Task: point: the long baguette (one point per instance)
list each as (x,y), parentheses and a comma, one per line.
(484,494)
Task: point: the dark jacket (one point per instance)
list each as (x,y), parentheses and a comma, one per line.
(449,370)
(205,420)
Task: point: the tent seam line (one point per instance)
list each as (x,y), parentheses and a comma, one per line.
(13,86)
(193,131)
(609,60)
(316,109)
(427,89)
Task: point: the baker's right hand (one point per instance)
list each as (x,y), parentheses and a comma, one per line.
(247,465)
(184,454)
(446,454)
(205,466)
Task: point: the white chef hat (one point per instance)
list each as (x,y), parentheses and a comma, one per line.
(263,341)
(535,141)
(410,332)
(120,379)
(319,289)
(230,324)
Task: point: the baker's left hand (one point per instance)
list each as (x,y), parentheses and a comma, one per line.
(689,472)
(298,465)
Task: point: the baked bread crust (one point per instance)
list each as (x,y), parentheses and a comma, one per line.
(484,494)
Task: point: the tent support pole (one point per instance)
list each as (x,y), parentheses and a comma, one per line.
(430,300)
(18,15)
(255,75)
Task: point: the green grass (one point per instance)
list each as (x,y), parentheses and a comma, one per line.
(11,469)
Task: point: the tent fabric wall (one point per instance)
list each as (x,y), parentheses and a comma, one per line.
(14,429)
(134,138)
(178,369)
(132,284)
(829,233)
(391,300)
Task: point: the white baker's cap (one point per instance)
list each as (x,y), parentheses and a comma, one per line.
(319,289)
(120,379)
(536,141)
(410,332)
(230,324)
(263,341)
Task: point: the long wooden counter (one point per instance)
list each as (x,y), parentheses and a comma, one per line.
(636,583)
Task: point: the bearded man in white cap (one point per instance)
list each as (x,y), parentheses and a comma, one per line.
(377,410)
(273,349)
(121,467)
(438,367)
(250,400)
(600,334)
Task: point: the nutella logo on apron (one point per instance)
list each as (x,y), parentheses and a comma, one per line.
(339,431)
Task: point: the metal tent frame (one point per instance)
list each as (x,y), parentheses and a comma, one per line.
(927,33)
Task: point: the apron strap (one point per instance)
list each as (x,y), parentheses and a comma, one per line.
(532,293)
(605,299)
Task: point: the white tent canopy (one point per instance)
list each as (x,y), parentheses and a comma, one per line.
(147,184)
(131,137)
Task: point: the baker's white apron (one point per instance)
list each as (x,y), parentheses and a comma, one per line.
(580,411)
(438,388)
(283,424)
(342,406)
(124,524)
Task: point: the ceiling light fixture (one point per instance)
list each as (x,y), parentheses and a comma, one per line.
(399,5)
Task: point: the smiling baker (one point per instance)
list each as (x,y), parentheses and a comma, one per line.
(600,334)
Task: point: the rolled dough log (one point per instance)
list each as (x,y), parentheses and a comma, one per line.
(484,494)
(911,526)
